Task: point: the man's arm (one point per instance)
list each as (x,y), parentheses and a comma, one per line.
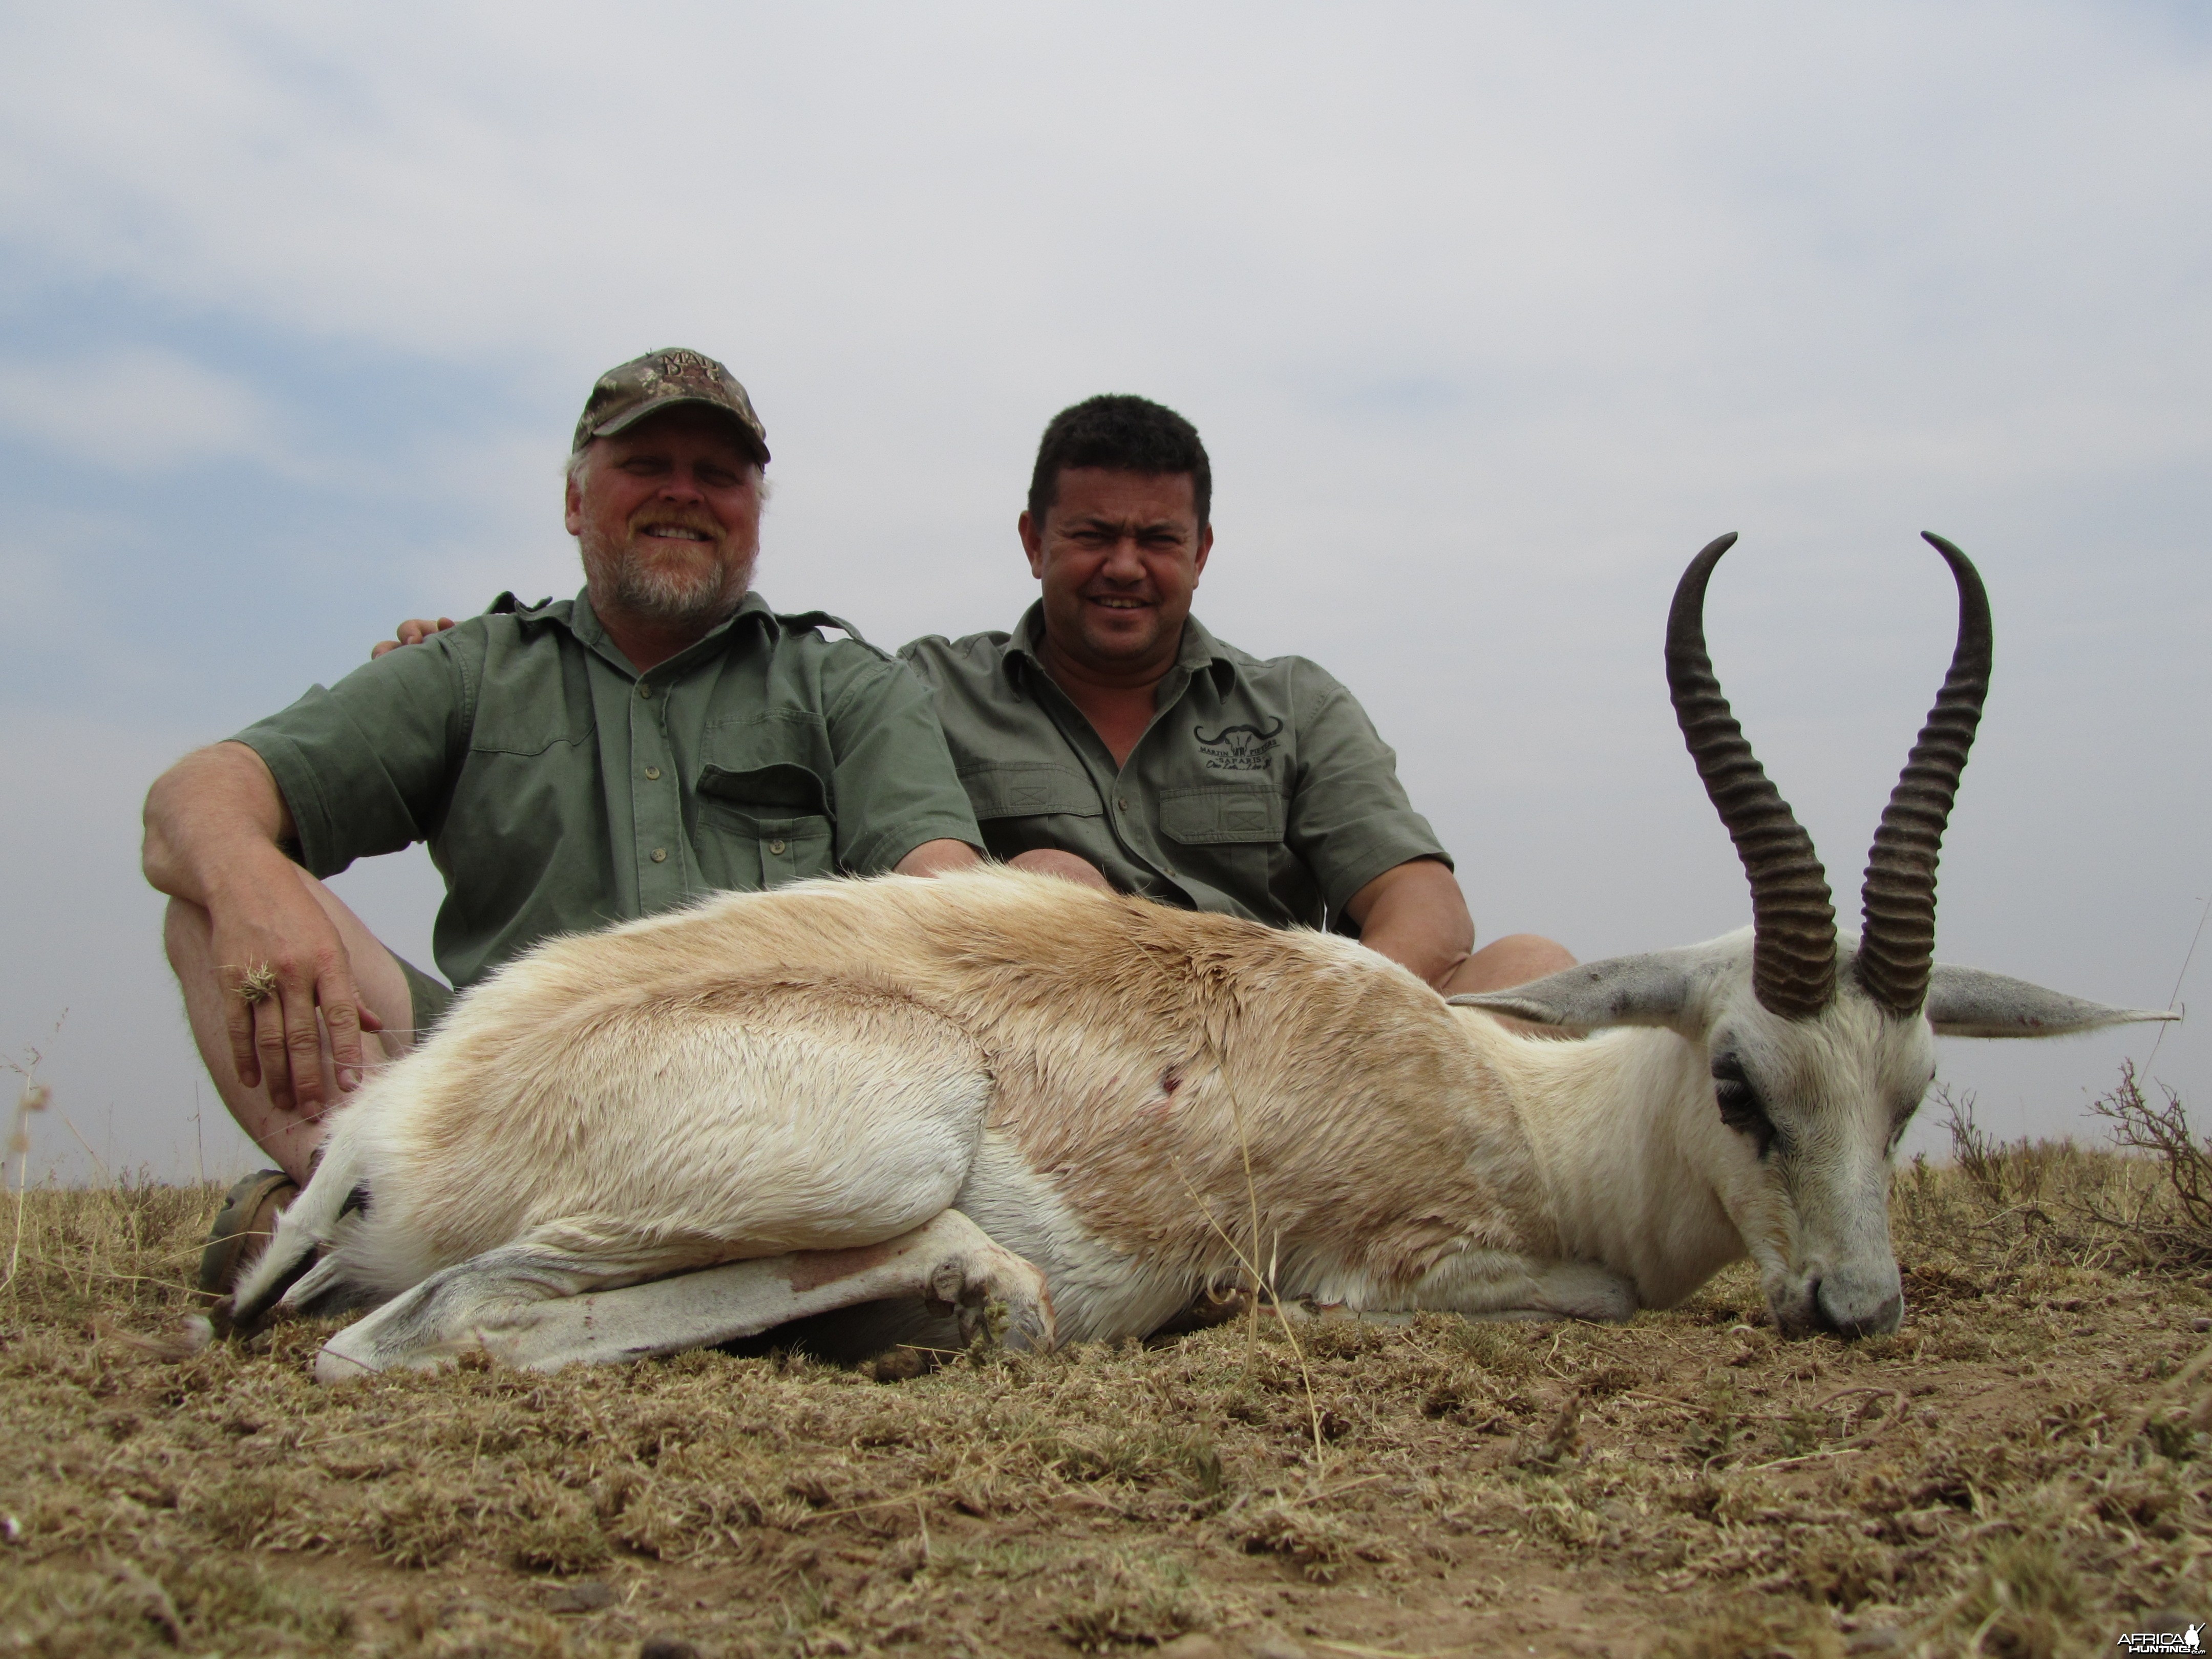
(1415,914)
(216,829)
(899,803)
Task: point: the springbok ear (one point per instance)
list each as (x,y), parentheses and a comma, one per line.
(1643,990)
(1971,1002)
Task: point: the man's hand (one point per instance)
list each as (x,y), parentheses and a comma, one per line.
(214,825)
(279,960)
(413,631)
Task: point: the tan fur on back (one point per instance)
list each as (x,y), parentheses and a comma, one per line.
(1116,1042)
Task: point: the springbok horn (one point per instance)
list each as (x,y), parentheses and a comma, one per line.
(1793,957)
(1899,944)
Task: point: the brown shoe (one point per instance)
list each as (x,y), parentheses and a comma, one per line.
(242,1226)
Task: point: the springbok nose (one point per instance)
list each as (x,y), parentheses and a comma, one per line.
(1840,1314)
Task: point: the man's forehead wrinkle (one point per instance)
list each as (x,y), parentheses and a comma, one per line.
(1131,522)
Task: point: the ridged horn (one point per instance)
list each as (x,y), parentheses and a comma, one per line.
(1898,946)
(1793,959)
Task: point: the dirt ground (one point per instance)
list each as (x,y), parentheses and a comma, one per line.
(2022,1470)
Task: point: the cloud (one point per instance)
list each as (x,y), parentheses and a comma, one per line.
(134,410)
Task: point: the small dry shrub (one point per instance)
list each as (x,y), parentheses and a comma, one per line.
(2039,1205)
(2163,1130)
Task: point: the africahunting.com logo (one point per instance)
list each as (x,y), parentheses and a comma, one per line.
(2190,1640)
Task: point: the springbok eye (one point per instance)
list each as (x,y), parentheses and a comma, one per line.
(1741,1110)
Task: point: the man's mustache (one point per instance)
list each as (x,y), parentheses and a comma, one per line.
(662,518)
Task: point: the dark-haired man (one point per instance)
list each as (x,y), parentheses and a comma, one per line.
(571,763)
(1110,739)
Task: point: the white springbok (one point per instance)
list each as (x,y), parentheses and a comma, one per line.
(900,1101)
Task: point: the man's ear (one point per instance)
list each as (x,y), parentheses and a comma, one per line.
(572,498)
(1205,547)
(1032,535)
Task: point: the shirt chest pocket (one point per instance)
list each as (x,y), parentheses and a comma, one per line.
(1230,839)
(1222,818)
(1028,790)
(528,700)
(1022,805)
(763,819)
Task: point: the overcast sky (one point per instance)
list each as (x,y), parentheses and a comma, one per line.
(1491,317)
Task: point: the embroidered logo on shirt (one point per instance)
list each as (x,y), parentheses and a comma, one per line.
(1237,748)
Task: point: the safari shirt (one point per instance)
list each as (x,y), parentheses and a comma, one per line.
(561,790)
(1261,788)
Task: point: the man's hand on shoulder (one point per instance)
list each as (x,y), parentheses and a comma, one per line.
(413,631)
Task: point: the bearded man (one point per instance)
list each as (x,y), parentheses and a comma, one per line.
(571,763)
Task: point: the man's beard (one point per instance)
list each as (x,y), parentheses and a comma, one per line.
(684,595)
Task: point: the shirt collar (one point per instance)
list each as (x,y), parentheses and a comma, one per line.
(590,632)
(1199,649)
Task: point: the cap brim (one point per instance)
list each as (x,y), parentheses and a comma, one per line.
(630,417)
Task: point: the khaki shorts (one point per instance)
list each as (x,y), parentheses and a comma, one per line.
(430,997)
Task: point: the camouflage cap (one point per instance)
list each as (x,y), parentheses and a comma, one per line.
(662,379)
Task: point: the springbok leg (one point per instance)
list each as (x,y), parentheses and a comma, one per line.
(533,1306)
(1494,1284)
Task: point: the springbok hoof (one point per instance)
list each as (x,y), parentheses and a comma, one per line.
(999,1299)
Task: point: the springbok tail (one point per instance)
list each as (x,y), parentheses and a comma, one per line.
(333,1192)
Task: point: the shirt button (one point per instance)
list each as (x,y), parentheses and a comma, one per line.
(660,855)
(775,846)
(653,774)
(1122,801)
(643,689)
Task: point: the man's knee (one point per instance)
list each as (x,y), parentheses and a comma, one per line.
(1068,867)
(1515,959)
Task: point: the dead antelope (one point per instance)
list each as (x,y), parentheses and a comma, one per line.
(898,1101)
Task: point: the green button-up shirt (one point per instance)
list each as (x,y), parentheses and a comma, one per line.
(559,789)
(1261,788)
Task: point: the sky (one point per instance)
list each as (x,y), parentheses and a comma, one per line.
(1491,316)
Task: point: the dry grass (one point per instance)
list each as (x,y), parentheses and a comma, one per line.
(2024,1470)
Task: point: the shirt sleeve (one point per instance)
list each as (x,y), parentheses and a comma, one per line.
(896,786)
(1349,818)
(367,766)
